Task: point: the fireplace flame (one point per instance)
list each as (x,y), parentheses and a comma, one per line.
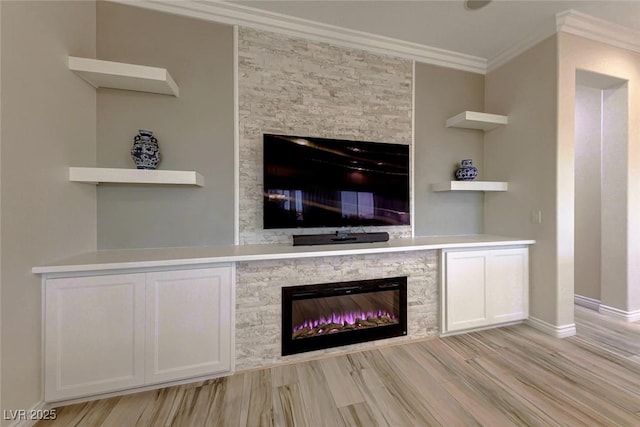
(351,318)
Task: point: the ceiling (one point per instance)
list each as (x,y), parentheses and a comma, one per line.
(484,33)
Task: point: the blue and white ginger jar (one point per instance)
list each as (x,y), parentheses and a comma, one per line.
(145,150)
(466,171)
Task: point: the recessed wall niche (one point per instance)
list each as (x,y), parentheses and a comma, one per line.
(195,130)
(601,187)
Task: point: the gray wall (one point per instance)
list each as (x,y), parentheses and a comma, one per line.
(525,154)
(617,285)
(588,171)
(440,94)
(298,87)
(1,366)
(286,85)
(195,131)
(48,124)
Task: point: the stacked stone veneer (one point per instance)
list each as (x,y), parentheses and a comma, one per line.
(292,86)
(258,298)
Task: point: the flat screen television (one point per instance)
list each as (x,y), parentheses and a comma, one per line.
(319,182)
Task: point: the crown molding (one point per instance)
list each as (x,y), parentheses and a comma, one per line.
(224,12)
(576,23)
(589,27)
(520,47)
(234,14)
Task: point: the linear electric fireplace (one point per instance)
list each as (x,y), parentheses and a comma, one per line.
(334,314)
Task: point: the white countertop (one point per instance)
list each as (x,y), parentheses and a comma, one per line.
(167,257)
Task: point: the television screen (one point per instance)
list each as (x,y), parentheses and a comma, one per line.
(318,182)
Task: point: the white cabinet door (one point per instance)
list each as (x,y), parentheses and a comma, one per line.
(465,291)
(481,288)
(508,285)
(189,316)
(94,329)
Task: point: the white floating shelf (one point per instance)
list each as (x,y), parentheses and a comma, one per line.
(134,176)
(117,75)
(475,120)
(470,186)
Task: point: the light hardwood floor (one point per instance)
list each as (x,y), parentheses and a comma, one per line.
(500,377)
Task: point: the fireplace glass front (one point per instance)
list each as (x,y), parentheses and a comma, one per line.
(334,314)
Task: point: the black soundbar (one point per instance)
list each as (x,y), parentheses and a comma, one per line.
(332,239)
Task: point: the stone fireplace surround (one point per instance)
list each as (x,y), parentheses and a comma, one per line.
(288,85)
(259,287)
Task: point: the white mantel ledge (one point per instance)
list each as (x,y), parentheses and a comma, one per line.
(104,260)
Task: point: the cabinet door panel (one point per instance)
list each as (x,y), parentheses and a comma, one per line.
(509,272)
(465,290)
(94,335)
(188,323)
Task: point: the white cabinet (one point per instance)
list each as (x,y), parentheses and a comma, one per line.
(94,330)
(114,332)
(484,287)
(188,324)
(508,285)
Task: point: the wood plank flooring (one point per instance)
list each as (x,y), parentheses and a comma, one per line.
(512,376)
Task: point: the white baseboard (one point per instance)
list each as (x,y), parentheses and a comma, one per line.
(482,328)
(594,304)
(590,303)
(549,329)
(627,316)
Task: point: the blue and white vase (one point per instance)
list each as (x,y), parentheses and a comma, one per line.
(466,171)
(145,150)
